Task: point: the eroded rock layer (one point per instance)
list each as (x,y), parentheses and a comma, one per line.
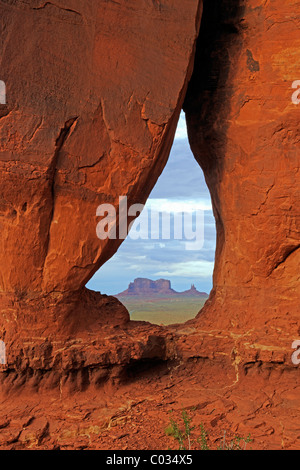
(93,97)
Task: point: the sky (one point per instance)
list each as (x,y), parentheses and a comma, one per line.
(180,188)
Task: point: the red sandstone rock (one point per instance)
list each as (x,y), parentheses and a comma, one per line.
(93,101)
(94,91)
(232,365)
(243,130)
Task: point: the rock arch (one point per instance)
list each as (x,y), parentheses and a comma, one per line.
(109,92)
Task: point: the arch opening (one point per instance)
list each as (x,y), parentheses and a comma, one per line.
(163,270)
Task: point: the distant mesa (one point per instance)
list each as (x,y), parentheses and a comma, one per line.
(162,288)
(193,292)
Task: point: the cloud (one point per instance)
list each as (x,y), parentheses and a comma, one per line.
(196,269)
(180,188)
(181,132)
(178,205)
(182,177)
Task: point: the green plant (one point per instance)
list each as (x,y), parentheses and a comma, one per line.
(183,437)
(203,438)
(182,433)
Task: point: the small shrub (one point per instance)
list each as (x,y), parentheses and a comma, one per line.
(182,433)
(203,439)
(183,437)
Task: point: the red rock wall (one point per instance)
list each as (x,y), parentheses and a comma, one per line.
(93,98)
(94,92)
(244,132)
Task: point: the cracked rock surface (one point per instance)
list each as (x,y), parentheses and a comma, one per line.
(92,104)
(93,99)
(244,132)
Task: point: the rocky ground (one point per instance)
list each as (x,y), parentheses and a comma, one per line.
(90,115)
(131,409)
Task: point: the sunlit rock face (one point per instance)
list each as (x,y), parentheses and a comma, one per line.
(91,92)
(89,114)
(94,91)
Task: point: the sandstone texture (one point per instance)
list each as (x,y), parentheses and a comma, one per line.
(93,98)
(244,132)
(134,413)
(93,101)
(92,104)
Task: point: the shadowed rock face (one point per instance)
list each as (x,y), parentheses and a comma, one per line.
(244,132)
